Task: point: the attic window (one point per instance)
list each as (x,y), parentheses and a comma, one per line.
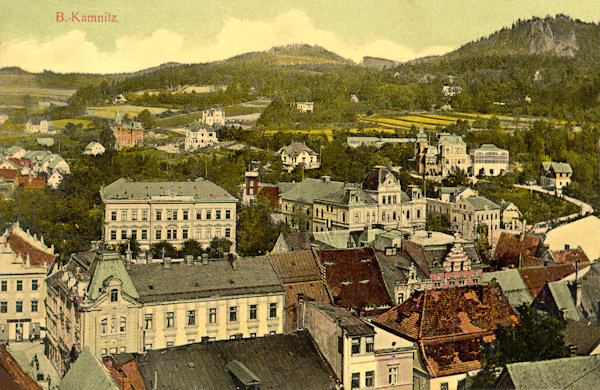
(346,282)
(151,287)
(328,263)
(365,261)
(364,281)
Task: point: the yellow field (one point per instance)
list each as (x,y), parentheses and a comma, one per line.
(63,122)
(109,112)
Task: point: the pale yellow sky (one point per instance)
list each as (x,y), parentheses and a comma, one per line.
(38,35)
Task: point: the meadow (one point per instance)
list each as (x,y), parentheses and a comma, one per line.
(109,112)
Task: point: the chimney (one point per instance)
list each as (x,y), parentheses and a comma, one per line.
(167,262)
(204,258)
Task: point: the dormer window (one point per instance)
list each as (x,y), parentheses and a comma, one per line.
(114,295)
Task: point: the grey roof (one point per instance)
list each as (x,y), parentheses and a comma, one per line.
(242,373)
(279,362)
(92,144)
(558,167)
(109,266)
(295,148)
(347,196)
(254,275)
(87,373)
(513,287)
(308,190)
(57,160)
(452,190)
(488,147)
(579,372)
(564,300)
(450,139)
(396,267)
(584,337)
(200,189)
(353,325)
(480,203)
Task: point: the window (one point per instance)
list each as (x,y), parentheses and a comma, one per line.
(212,315)
(232,313)
(114,295)
(198,214)
(355,345)
(207,233)
(355,384)
(191,317)
(34,285)
(3,307)
(369,378)
(208,214)
(218,214)
(184,234)
(252,312)
(393,375)
(444,386)
(4,285)
(217,232)
(158,215)
(158,234)
(227,232)
(123,234)
(227,214)
(113,325)
(104,351)
(185,215)
(272,310)
(369,344)
(34,306)
(144,215)
(171,234)
(134,215)
(124,215)
(170,343)
(113,215)
(19,285)
(148,321)
(123,325)
(144,234)
(134,234)
(147,347)
(252,334)
(171,215)
(113,234)
(103,325)
(170,319)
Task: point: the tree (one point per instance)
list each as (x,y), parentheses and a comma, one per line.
(163,247)
(192,247)
(133,246)
(257,233)
(438,223)
(456,179)
(146,118)
(483,243)
(218,247)
(537,336)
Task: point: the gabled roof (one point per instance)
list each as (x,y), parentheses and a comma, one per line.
(569,256)
(355,279)
(308,190)
(88,373)
(294,267)
(445,139)
(93,144)
(504,204)
(253,275)
(109,266)
(584,337)
(353,325)
(511,248)
(563,299)
(512,285)
(24,248)
(536,277)
(295,148)
(580,372)
(12,376)
(480,203)
(450,324)
(557,167)
(57,160)
(199,189)
(347,196)
(296,241)
(378,176)
(278,362)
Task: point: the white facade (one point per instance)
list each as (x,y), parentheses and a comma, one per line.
(305,107)
(35,126)
(175,215)
(297,153)
(55,179)
(199,138)
(94,149)
(213,117)
(24,264)
(453,154)
(489,160)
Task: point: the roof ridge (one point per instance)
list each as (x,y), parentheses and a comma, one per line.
(422,315)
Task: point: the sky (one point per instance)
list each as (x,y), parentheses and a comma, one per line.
(147,33)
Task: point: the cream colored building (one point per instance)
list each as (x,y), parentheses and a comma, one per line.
(469,213)
(24,264)
(137,307)
(154,211)
(489,160)
(197,136)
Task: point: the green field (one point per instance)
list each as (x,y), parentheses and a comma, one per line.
(63,122)
(109,112)
(37,92)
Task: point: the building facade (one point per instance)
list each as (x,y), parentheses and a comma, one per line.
(298,154)
(25,261)
(127,133)
(555,175)
(154,211)
(214,117)
(469,213)
(489,160)
(196,136)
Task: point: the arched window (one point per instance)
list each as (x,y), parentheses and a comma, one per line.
(103,325)
(123,325)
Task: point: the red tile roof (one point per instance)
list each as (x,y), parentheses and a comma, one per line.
(536,277)
(38,181)
(127,375)
(272,194)
(9,173)
(22,162)
(450,324)
(12,376)
(308,291)
(355,279)
(567,256)
(511,247)
(37,257)
(296,267)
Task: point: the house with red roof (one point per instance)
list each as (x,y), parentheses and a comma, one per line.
(449,326)
(12,376)
(354,279)
(517,251)
(25,261)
